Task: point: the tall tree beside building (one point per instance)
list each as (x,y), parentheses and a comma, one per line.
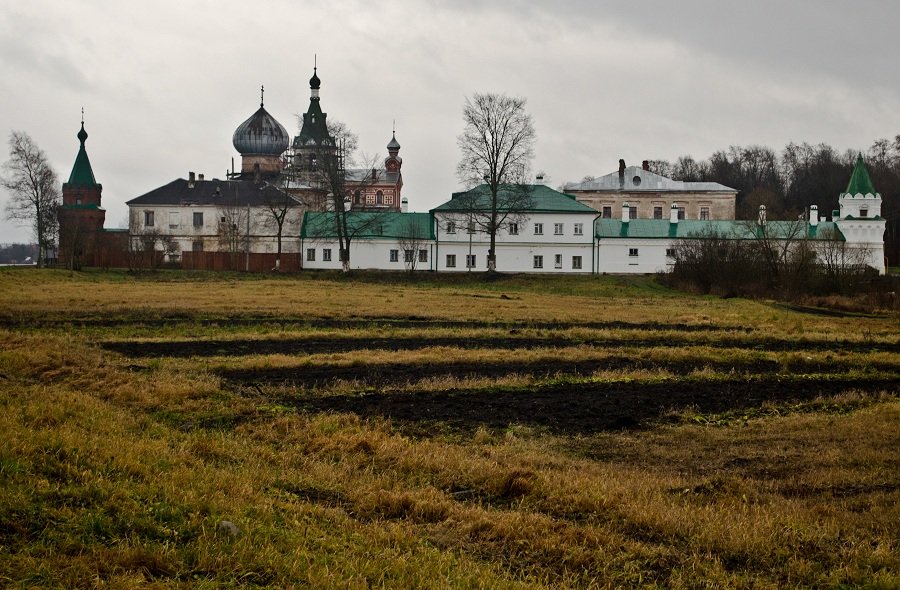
(496,145)
(33,190)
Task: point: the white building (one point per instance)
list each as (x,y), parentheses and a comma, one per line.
(378,240)
(539,230)
(215,216)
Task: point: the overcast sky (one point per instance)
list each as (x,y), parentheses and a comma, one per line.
(165,83)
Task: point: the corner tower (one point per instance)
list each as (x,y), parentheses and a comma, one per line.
(860,222)
(80,216)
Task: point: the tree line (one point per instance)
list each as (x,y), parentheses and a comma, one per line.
(803,174)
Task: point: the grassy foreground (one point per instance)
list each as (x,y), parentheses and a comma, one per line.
(434,432)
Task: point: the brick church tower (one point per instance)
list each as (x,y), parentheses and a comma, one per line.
(80,216)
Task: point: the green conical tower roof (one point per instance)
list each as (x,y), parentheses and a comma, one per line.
(860,183)
(82,173)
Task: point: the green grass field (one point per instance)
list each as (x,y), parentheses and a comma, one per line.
(440,431)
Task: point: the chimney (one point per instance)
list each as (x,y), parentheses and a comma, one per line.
(626,213)
(404,205)
(762,215)
(539,179)
(673,213)
(646,165)
(200,177)
(190,180)
(621,174)
(813,215)
(373,174)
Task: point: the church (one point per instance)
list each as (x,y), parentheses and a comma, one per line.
(251,219)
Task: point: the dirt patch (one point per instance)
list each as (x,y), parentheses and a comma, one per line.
(308,346)
(388,376)
(351,323)
(582,408)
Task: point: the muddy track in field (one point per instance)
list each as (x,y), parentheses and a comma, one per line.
(354,323)
(387,376)
(581,408)
(308,346)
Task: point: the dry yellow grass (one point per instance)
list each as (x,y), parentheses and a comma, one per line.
(116,472)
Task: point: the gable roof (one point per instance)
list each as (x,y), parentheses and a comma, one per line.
(636,179)
(369,225)
(691,228)
(542,199)
(232,193)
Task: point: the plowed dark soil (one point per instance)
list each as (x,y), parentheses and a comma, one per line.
(351,323)
(582,408)
(386,376)
(306,346)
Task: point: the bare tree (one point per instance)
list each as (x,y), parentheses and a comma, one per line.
(281,207)
(233,231)
(497,144)
(34,190)
(411,239)
(345,224)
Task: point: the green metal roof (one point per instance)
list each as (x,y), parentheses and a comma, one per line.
(860,183)
(369,225)
(542,199)
(82,173)
(691,228)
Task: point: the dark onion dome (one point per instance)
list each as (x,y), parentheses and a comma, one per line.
(261,134)
(314,82)
(394,144)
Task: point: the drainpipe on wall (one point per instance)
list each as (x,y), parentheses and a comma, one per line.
(595,246)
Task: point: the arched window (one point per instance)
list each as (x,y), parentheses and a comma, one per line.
(379,198)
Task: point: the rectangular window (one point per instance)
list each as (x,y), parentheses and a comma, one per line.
(863,212)
(681,213)
(538,261)
(576,262)
(670,252)
(173,219)
(513,229)
(607,212)
(657,213)
(632,212)
(310,254)
(198,219)
(451,227)
(470,261)
(395,255)
(196,246)
(148,218)
(632,251)
(326,254)
(538,229)
(557,261)
(407,256)
(451,260)
(423,255)
(557,229)
(579,229)
(704,213)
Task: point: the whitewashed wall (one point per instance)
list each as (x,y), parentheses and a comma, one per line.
(364,255)
(516,252)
